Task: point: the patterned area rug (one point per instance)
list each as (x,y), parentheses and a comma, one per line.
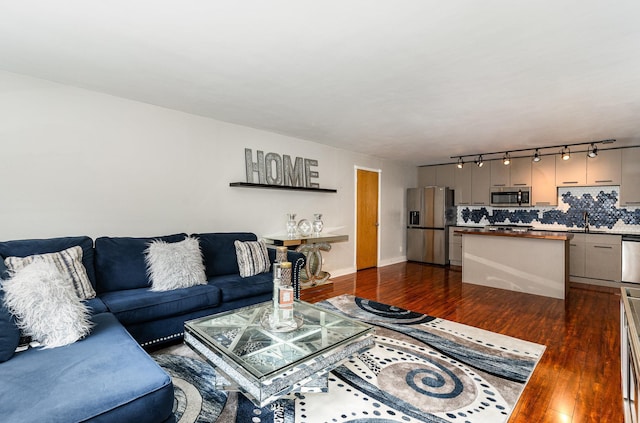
(421,369)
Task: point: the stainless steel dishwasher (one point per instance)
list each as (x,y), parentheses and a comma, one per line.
(631,258)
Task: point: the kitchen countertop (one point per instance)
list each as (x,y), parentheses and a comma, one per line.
(561,236)
(571,231)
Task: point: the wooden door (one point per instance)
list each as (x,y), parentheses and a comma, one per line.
(367,223)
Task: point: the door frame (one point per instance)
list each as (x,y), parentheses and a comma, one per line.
(356,168)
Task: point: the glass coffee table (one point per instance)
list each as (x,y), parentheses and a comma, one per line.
(265,365)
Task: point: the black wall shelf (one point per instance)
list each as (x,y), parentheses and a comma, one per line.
(280,187)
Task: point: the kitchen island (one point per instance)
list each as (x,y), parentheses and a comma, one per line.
(534,262)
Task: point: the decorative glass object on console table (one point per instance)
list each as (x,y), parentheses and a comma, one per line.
(318,224)
(311,247)
(292,225)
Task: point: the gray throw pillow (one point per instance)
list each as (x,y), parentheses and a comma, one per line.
(69,264)
(46,306)
(253,257)
(175,265)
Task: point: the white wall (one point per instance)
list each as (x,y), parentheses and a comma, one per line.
(77,162)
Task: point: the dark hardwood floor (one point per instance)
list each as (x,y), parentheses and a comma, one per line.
(578,377)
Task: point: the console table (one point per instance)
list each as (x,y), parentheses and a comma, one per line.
(310,246)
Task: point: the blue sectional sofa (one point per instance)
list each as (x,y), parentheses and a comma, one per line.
(108,376)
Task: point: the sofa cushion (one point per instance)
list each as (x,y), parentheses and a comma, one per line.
(143,305)
(120,261)
(69,264)
(95,306)
(220,252)
(175,265)
(29,247)
(46,305)
(106,376)
(9,332)
(233,287)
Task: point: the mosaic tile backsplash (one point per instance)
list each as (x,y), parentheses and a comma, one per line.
(601,203)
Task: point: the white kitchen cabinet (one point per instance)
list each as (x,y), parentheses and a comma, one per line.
(543,182)
(440,175)
(445,175)
(630,181)
(517,174)
(604,169)
(426,176)
(462,187)
(577,255)
(520,172)
(603,257)
(500,174)
(455,247)
(572,172)
(480,185)
(596,256)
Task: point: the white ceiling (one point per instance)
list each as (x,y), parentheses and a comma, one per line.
(409,80)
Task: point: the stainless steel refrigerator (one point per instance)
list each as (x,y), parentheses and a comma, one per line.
(429,213)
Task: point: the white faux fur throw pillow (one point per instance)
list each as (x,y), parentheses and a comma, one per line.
(46,305)
(175,265)
(68,262)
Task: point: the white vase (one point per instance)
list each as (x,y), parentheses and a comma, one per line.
(292,225)
(318,224)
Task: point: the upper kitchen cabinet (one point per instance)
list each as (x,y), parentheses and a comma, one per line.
(481,185)
(572,172)
(520,172)
(440,175)
(543,182)
(462,186)
(604,169)
(500,174)
(517,174)
(630,185)
(426,176)
(445,175)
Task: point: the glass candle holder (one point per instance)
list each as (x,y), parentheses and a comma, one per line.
(281,254)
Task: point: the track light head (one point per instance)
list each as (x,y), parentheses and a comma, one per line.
(506,159)
(460,162)
(536,156)
(479,162)
(592,151)
(566,153)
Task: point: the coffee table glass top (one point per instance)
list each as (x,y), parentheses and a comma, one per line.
(240,336)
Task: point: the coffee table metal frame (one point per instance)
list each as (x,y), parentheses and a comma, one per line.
(267,365)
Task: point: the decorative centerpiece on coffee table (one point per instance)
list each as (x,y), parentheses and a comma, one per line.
(281,317)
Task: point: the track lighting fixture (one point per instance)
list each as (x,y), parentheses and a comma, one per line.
(536,156)
(506,159)
(565,153)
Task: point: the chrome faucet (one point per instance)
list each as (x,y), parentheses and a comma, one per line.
(586,221)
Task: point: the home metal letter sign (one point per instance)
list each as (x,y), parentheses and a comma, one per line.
(273,169)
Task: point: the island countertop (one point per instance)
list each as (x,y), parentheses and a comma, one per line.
(560,236)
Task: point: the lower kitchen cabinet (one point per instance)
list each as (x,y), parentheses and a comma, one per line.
(596,256)
(604,257)
(455,247)
(577,255)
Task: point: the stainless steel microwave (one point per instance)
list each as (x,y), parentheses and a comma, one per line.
(510,197)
